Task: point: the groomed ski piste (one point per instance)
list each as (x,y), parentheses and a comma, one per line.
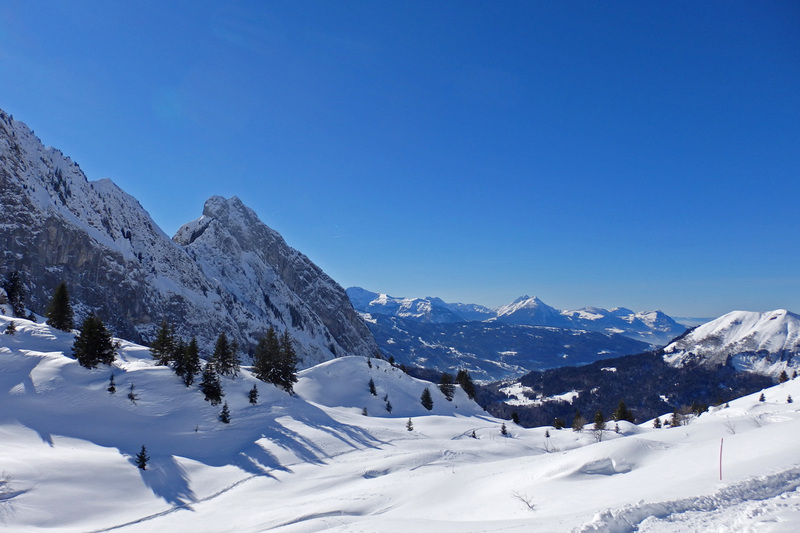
(313,461)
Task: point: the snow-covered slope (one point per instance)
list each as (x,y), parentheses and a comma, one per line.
(766,343)
(227,272)
(314,462)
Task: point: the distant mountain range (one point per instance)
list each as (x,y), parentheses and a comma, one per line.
(735,354)
(651,327)
(493,344)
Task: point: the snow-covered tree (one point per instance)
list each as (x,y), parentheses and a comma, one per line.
(112,386)
(410,425)
(503,430)
(59,312)
(93,345)
(11,328)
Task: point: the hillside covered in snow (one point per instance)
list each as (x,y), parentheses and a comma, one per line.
(333,458)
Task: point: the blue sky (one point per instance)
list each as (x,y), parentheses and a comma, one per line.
(592,153)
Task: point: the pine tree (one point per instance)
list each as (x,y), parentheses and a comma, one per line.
(93,345)
(162,348)
(225,358)
(503,430)
(389,406)
(465,380)
(372,387)
(59,312)
(547,433)
(11,328)
(112,386)
(599,421)
(210,385)
(410,425)
(784,377)
(225,414)
(426,400)
(191,362)
(762,398)
(253,395)
(623,413)
(447,386)
(675,421)
(789,399)
(178,358)
(287,367)
(559,423)
(657,423)
(142,458)
(364,412)
(578,422)
(266,356)
(15,292)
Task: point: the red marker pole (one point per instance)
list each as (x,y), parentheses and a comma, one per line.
(720,459)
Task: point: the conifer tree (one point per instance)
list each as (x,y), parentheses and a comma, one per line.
(287,368)
(578,422)
(266,356)
(599,421)
(762,398)
(789,399)
(191,362)
(447,386)
(210,385)
(59,312)
(225,414)
(142,458)
(503,430)
(657,423)
(93,345)
(410,425)
(465,380)
(623,413)
(112,386)
(253,395)
(784,377)
(226,359)
(675,421)
(11,328)
(16,293)
(558,423)
(426,400)
(372,387)
(178,358)
(163,346)
(389,405)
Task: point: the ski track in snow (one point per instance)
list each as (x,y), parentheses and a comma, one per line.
(692,512)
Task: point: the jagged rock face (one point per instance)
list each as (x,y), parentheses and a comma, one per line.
(272,282)
(56,225)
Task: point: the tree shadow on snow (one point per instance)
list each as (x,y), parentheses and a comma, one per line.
(168,480)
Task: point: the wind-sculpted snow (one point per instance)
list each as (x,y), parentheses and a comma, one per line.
(226,271)
(315,462)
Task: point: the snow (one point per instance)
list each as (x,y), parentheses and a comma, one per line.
(314,462)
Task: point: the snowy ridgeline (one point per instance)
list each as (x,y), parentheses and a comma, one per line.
(314,461)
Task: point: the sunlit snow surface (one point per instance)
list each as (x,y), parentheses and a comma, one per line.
(314,462)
